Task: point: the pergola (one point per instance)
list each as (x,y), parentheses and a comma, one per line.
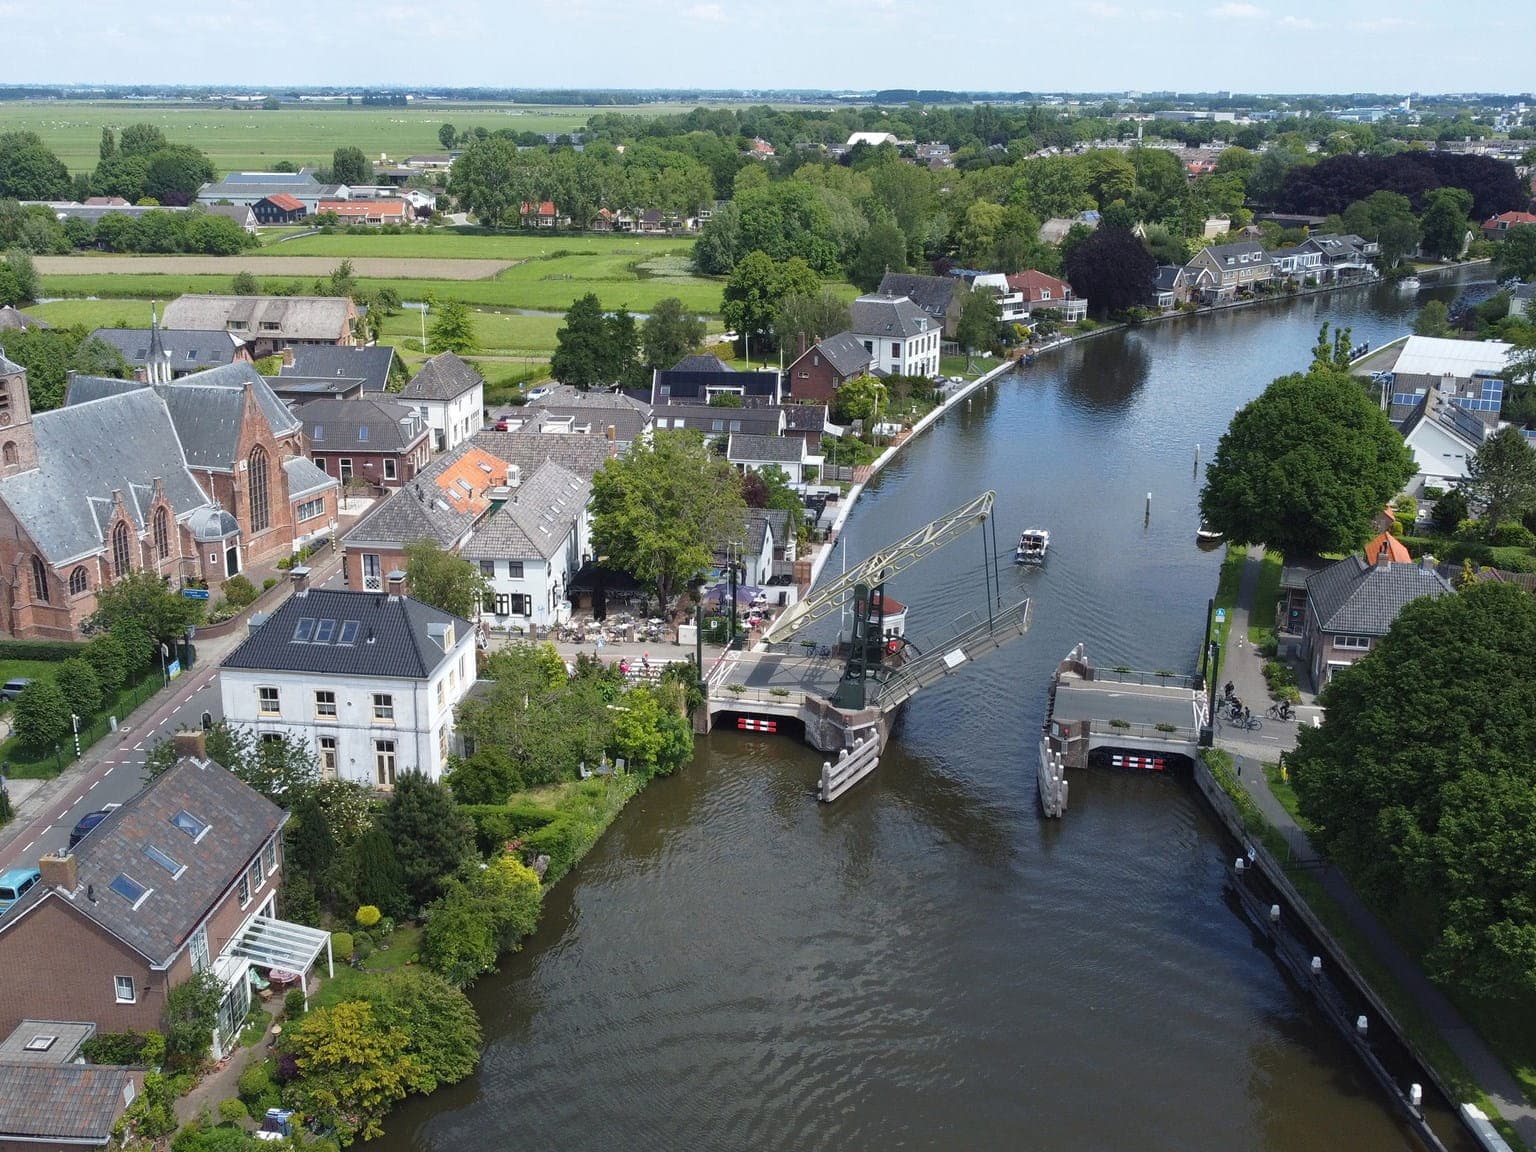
(271,943)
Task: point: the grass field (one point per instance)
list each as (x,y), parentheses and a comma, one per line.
(378,267)
(239,138)
(470,245)
(94,313)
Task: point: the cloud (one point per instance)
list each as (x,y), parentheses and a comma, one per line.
(1383,24)
(1300,23)
(707,14)
(1235,10)
(1105,11)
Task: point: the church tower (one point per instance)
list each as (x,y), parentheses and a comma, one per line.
(18,448)
(157,367)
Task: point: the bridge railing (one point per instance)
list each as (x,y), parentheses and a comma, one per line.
(972,642)
(727,694)
(1130,676)
(1125,730)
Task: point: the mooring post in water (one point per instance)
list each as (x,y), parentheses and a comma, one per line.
(1147,519)
(1197,459)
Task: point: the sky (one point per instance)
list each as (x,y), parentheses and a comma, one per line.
(1024,45)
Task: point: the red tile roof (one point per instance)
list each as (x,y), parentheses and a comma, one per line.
(1510,219)
(284,201)
(364,209)
(1038,287)
(1396,552)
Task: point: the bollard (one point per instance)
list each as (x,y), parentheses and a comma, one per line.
(1317,966)
(1360,1025)
(1148,517)
(1238,865)
(1274,913)
(1416,1095)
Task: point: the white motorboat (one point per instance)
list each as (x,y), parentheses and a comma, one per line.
(1032,545)
(1207,532)
(1409,284)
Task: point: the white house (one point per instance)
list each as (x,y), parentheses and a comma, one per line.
(1442,435)
(902,338)
(369,680)
(748,453)
(529,548)
(449,395)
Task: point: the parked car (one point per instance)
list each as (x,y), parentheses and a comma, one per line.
(538,393)
(13,688)
(83,826)
(14,884)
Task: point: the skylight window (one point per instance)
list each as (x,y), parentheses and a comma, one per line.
(40,1043)
(129,889)
(325,631)
(190,824)
(164,860)
(305,632)
(464,484)
(362,432)
(486,468)
(349,630)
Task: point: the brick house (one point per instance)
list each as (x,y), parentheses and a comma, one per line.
(365,212)
(51,1098)
(1218,273)
(1351,604)
(191,479)
(817,373)
(182,878)
(1041,292)
(1497,227)
(366,438)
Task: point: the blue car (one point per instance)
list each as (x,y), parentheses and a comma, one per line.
(89,821)
(14,884)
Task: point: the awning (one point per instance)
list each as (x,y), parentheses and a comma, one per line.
(273,943)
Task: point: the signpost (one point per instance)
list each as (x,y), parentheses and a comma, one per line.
(195,593)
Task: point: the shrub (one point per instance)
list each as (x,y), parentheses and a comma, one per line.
(257,1088)
(232,1111)
(341,945)
(368,916)
(1513,534)
(1431,492)
(80,685)
(191,1010)
(362,946)
(53,650)
(115,1048)
(106,654)
(269,583)
(239,591)
(42,714)
(293,1003)
(284,563)
(1514,560)
(352,1067)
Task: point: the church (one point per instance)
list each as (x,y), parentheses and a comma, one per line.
(194,479)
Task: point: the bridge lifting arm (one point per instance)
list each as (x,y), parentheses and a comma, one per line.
(881,566)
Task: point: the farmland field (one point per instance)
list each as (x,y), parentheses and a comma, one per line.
(242,138)
(383,268)
(94,313)
(441,245)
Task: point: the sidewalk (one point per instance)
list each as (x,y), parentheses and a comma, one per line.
(1244,669)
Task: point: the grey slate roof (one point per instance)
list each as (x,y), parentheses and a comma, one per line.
(886,317)
(361,424)
(845,353)
(85,452)
(1168,277)
(1232,254)
(805,418)
(296,317)
(701,362)
(754,448)
(12,320)
(305,478)
(932,294)
(707,418)
(303,389)
(64,1102)
(371,365)
(407,515)
(8,367)
(191,350)
(239,819)
(536,522)
(400,646)
(67,1037)
(443,377)
(564,396)
(206,408)
(1357,598)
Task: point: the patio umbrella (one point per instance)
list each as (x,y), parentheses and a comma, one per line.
(720,594)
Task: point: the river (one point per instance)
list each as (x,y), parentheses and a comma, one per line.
(929,964)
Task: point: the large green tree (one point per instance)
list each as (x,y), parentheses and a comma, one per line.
(808,317)
(29,171)
(669,333)
(1306,466)
(432,838)
(883,249)
(659,511)
(593,348)
(146,599)
(1444,224)
(1516,256)
(489,181)
(980,315)
(174,175)
(1501,479)
(1422,786)
(453,329)
(444,580)
(350,166)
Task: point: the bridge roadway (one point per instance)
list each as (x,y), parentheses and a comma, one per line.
(1137,704)
(764,671)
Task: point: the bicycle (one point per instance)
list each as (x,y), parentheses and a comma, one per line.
(1281,711)
(1252,723)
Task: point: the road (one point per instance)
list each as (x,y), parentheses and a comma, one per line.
(113,770)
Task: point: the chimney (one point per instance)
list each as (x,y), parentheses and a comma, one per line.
(300,578)
(1384,554)
(190,744)
(60,871)
(396,583)
(613,440)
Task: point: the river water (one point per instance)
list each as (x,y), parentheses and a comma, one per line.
(929,964)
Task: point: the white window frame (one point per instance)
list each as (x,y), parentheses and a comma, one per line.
(261,700)
(117,990)
(245,888)
(384,713)
(322,705)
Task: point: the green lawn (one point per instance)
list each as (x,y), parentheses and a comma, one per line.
(398,950)
(1261,618)
(94,313)
(1226,591)
(245,138)
(470,244)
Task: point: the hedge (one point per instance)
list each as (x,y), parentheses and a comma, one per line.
(55,650)
(495,824)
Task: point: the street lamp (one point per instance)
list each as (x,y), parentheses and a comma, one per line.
(165,672)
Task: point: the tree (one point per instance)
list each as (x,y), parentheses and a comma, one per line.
(352,1068)
(439,1019)
(41,715)
(432,839)
(1112,271)
(1305,467)
(146,598)
(1387,218)
(980,314)
(191,1011)
(883,249)
(1501,479)
(669,333)
(141,140)
(444,580)
(659,510)
(1336,355)
(1436,826)
(1434,319)
(18,278)
(1449,511)
(108,146)
(244,284)
(806,317)
(378,877)
(447,136)
(490,181)
(175,174)
(29,171)
(1444,223)
(80,685)
(453,329)
(594,349)
(751,297)
(349,166)
(1516,256)
(858,399)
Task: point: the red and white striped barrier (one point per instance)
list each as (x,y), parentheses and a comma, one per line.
(752,724)
(1141,763)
